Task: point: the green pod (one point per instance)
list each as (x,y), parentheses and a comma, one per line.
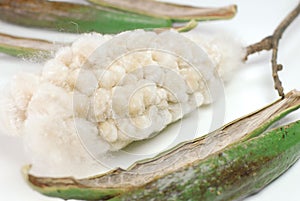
(177,13)
(18,51)
(233,173)
(27,47)
(229,163)
(75,18)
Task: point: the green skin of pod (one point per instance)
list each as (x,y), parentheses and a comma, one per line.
(110,22)
(235,172)
(82,194)
(75,18)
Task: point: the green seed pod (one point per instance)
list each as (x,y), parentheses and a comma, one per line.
(176,13)
(76,18)
(233,173)
(229,163)
(108,19)
(27,47)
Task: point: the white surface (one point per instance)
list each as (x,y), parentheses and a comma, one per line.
(250,89)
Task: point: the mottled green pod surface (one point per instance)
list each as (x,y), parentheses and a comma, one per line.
(235,172)
(230,163)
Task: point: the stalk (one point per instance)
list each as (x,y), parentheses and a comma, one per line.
(221,165)
(176,13)
(26,47)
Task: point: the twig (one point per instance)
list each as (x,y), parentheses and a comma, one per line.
(271,43)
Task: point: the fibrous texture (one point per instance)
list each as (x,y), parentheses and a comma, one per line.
(104,92)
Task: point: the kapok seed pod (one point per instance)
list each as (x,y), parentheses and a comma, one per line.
(76,18)
(218,166)
(26,47)
(177,13)
(135,92)
(233,173)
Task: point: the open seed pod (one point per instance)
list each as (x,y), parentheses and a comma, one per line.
(104,92)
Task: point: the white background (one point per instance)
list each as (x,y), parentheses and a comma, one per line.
(250,89)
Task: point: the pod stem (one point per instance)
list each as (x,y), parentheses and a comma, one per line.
(271,43)
(185,28)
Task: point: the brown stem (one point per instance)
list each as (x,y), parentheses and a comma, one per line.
(271,43)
